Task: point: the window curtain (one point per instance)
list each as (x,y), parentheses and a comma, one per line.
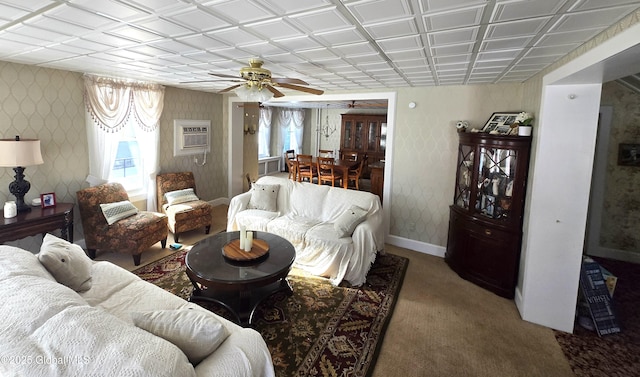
(297,119)
(264,130)
(288,118)
(111,104)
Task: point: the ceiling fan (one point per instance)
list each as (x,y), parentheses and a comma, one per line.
(254,78)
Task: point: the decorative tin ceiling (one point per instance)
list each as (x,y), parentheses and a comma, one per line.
(331,44)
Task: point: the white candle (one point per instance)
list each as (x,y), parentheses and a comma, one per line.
(248,244)
(243,237)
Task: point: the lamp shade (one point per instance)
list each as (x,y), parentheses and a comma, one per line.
(23,152)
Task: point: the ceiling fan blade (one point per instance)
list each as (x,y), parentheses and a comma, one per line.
(197,81)
(276,92)
(287,80)
(301,88)
(230,88)
(224,75)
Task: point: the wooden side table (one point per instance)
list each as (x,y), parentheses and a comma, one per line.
(38,220)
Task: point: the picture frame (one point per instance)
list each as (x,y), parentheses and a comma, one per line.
(628,154)
(500,122)
(48,200)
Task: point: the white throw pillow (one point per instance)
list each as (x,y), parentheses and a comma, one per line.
(347,222)
(67,262)
(264,197)
(180,196)
(196,333)
(117,211)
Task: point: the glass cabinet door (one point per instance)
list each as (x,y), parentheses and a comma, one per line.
(358,135)
(496,172)
(372,136)
(465,171)
(348,134)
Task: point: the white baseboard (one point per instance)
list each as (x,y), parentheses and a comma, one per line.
(622,255)
(419,246)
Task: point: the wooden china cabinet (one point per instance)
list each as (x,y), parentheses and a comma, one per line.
(485,224)
(365,134)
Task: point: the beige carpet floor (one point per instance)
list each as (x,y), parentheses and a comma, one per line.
(442,325)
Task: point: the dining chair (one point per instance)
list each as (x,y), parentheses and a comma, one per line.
(325,153)
(350,156)
(327,171)
(290,159)
(355,174)
(305,167)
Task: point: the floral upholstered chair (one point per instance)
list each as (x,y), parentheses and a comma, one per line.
(176,197)
(111,222)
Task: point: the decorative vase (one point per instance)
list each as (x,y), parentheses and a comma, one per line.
(524,130)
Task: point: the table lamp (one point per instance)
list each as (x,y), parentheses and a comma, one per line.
(18,153)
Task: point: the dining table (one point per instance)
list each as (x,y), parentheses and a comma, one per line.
(339,164)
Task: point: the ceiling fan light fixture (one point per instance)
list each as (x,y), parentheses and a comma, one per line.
(253,91)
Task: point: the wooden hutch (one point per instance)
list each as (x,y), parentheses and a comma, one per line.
(485,225)
(365,134)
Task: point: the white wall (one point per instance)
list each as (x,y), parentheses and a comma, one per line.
(557,204)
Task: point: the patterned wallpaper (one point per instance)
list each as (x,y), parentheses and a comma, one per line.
(48,104)
(621,207)
(45,104)
(211,179)
(425,152)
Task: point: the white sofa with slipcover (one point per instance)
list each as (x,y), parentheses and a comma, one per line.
(336,232)
(65,315)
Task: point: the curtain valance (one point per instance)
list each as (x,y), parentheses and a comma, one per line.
(111,102)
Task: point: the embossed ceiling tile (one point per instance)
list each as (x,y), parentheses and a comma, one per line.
(513,10)
(592,18)
(453,19)
(392,29)
(319,21)
(379,10)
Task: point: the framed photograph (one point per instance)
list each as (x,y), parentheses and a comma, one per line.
(628,154)
(500,123)
(48,200)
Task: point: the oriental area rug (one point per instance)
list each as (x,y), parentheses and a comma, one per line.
(615,354)
(320,330)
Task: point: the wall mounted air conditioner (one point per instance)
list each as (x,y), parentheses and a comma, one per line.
(191,137)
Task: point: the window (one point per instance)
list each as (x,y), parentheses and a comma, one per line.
(122,133)
(127,166)
(289,138)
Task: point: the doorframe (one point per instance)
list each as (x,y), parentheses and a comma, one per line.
(236,134)
(558,193)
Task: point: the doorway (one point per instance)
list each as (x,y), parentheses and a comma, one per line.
(235,162)
(562,166)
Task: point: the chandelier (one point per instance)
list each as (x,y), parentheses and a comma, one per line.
(326,130)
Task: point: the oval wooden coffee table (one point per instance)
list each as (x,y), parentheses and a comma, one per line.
(239,285)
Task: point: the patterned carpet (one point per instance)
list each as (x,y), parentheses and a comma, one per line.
(616,354)
(320,330)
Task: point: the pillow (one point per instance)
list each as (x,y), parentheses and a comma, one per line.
(264,197)
(180,196)
(196,333)
(67,262)
(347,222)
(118,211)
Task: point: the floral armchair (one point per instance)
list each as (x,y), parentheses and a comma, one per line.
(133,234)
(184,216)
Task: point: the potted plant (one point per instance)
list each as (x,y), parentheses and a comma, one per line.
(524,121)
